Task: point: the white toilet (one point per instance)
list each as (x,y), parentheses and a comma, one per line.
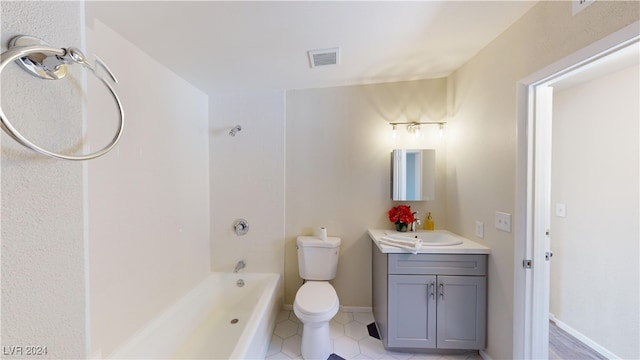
(316,301)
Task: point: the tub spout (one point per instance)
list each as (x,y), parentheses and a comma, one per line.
(239,266)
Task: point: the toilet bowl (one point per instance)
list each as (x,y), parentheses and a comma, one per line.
(316,303)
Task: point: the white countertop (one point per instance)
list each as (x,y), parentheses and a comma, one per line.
(467,246)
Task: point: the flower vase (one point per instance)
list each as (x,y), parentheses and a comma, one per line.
(402,227)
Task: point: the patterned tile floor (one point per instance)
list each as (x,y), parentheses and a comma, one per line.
(350,338)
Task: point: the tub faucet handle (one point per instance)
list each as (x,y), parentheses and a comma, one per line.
(241,227)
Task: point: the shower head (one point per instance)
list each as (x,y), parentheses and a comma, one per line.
(235,130)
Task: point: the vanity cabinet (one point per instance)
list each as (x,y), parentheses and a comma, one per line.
(430,301)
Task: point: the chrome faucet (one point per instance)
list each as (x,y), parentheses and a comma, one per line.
(239,266)
(416,221)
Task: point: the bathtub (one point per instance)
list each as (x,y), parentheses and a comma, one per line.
(215,320)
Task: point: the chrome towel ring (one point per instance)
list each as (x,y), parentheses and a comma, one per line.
(46,62)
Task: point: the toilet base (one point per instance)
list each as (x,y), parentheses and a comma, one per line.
(316,341)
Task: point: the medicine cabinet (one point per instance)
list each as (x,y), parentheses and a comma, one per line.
(413,174)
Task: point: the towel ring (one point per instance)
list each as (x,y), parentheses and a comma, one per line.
(46,62)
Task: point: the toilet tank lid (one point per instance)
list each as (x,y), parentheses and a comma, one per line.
(314,241)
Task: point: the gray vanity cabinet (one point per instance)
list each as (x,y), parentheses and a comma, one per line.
(462,312)
(412,311)
(430,300)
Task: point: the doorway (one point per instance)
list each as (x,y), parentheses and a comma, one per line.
(594,210)
(534,203)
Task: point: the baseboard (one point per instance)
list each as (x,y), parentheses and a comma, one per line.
(356,308)
(342,308)
(583,339)
(484,355)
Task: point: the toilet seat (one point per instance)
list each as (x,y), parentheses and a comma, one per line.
(316,298)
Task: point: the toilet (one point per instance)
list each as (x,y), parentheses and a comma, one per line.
(316,301)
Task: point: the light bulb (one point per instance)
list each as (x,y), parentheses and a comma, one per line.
(394,134)
(441,130)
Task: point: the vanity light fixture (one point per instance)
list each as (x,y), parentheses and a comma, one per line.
(414,127)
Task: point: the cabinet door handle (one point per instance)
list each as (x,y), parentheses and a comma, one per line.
(432,293)
(442,290)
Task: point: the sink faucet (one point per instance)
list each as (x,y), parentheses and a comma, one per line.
(239,266)
(416,221)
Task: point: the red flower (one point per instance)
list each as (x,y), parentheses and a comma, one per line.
(402,214)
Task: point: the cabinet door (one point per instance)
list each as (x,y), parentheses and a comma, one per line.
(412,311)
(462,312)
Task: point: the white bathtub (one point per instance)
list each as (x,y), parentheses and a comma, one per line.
(201,325)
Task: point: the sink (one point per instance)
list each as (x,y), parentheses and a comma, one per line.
(429,238)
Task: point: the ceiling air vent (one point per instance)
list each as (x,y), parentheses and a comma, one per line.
(324,57)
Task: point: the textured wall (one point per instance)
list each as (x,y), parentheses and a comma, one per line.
(338,170)
(148,203)
(43,269)
(596,175)
(481,146)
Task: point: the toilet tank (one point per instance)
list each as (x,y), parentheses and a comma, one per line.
(317,259)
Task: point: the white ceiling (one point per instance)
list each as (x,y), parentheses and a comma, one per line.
(236,46)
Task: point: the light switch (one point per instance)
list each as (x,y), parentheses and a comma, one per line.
(480,229)
(561,210)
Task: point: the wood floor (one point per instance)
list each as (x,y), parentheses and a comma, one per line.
(563,346)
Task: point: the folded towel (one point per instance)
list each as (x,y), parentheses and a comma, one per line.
(411,249)
(404,240)
(411,246)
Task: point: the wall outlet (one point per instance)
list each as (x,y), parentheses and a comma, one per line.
(503,221)
(479,229)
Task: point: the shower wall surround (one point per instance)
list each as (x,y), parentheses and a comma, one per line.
(148,208)
(247,180)
(43,267)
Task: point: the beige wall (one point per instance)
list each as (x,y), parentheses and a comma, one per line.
(595,273)
(481,146)
(338,148)
(147,200)
(43,268)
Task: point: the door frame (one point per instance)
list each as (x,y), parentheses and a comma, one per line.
(531,286)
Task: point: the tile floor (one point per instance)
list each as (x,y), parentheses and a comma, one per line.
(350,337)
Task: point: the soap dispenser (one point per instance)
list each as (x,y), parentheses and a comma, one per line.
(428,223)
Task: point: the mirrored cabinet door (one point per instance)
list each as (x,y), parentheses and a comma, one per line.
(413,174)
